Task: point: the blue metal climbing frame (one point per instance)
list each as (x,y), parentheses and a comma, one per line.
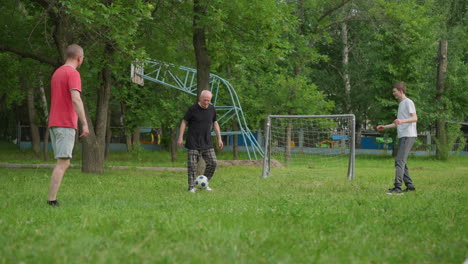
(225,99)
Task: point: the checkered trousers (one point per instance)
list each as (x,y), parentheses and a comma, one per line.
(193,157)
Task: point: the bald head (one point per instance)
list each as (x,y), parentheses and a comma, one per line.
(75,55)
(73,51)
(205,98)
(206,93)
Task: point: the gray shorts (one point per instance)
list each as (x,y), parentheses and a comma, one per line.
(63,141)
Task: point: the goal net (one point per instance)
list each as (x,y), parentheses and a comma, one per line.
(309,144)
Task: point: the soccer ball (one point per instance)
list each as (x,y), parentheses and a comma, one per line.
(201,182)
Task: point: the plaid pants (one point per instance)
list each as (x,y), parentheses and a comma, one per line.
(193,156)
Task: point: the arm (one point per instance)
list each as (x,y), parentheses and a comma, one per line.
(412,119)
(218,134)
(383,127)
(180,140)
(396,122)
(79,109)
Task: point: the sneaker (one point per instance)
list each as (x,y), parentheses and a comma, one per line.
(395,190)
(192,190)
(409,189)
(208,188)
(54,203)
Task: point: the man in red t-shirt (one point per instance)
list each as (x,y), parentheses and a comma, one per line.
(65,109)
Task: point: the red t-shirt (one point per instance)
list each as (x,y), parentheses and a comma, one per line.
(62,113)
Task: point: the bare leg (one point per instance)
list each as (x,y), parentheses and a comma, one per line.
(57,175)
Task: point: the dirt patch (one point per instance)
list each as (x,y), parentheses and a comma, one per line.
(21,165)
(257,163)
(149,168)
(36,166)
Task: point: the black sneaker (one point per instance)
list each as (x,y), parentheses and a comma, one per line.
(409,189)
(395,190)
(54,203)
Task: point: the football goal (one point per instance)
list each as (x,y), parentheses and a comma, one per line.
(309,144)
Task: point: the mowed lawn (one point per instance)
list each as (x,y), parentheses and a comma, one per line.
(143,216)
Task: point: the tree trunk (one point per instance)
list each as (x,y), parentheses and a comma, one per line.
(91,153)
(99,138)
(128,141)
(442,150)
(201,55)
(235,143)
(299,58)
(128,138)
(46,115)
(34,129)
(199,44)
(136,137)
(358,131)
(108,136)
(103,100)
(62,33)
(235,125)
(92,156)
(173,132)
(345,62)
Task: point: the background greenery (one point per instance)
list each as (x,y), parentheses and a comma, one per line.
(282,57)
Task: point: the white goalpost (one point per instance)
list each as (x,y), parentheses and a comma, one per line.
(310,144)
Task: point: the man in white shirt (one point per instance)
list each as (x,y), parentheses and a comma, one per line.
(407,134)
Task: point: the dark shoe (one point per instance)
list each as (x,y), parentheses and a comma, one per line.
(54,203)
(395,190)
(409,189)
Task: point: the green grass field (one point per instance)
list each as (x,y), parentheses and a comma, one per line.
(142,216)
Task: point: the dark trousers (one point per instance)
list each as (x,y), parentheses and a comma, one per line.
(401,168)
(193,156)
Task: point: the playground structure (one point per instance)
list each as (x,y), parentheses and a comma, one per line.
(225,99)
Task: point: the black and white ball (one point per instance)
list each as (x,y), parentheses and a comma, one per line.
(201,182)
